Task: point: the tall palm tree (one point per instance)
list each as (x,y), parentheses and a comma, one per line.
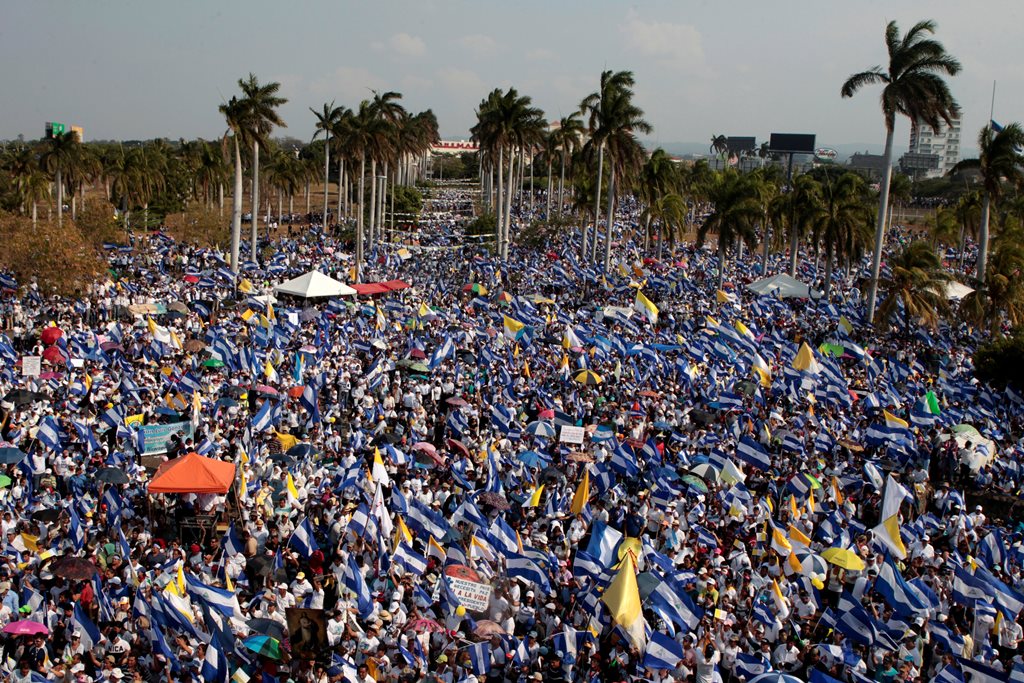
(325,123)
(567,138)
(262,102)
(507,122)
(917,281)
(614,122)
(719,147)
(658,178)
(210,172)
(612,82)
(1000,160)
(386,108)
(58,156)
(736,198)
(843,209)
(236,115)
(1002,296)
(914,87)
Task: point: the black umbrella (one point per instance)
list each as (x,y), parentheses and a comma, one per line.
(46,515)
(21,397)
(266,627)
(112,475)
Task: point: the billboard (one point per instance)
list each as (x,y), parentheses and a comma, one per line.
(740,144)
(792,143)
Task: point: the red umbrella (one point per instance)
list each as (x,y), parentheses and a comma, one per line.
(191,279)
(265,390)
(457,402)
(546,414)
(417,353)
(51,334)
(296,391)
(55,355)
(424,446)
(455,444)
(50,375)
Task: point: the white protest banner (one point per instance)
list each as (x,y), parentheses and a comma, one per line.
(31,366)
(570,434)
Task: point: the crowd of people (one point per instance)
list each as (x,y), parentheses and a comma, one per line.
(533,470)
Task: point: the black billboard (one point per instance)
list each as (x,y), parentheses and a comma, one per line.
(737,145)
(792,143)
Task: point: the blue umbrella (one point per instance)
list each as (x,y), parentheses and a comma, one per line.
(541,428)
(10,455)
(531,458)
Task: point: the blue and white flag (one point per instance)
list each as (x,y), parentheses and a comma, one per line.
(303,540)
(87,631)
(751,452)
(662,652)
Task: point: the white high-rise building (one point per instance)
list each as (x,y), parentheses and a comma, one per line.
(944,143)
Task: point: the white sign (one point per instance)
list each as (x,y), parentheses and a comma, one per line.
(571,434)
(472,595)
(31,366)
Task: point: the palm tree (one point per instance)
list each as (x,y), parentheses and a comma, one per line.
(58,156)
(843,210)
(719,147)
(1000,160)
(325,123)
(567,137)
(1002,296)
(211,172)
(968,209)
(390,113)
(236,115)
(592,106)
(613,123)
(913,87)
(658,179)
(261,101)
(738,208)
(944,228)
(917,281)
(507,122)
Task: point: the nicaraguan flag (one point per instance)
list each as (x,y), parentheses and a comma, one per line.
(302,539)
(662,652)
(751,452)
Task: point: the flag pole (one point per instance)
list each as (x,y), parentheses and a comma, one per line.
(992,108)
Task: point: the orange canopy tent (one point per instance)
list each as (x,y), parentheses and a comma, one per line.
(193,473)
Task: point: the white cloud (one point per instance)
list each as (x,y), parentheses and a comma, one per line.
(461,81)
(348,84)
(676,45)
(479,44)
(541,54)
(406,45)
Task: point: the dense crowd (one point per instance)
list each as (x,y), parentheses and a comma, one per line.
(759,483)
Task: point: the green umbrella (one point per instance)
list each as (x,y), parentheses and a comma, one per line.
(966,429)
(695,482)
(263,645)
(5,481)
(213,363)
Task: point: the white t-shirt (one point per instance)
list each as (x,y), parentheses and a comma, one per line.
(706,667)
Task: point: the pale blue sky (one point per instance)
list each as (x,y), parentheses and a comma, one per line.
(140,69)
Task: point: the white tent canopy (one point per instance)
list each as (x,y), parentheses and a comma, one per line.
(784,287)
(956,290)
(314,284)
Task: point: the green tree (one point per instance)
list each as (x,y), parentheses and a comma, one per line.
(917,282)
(913,87)
(261,103)
(568,138)
(736,198)
(614,122)
(240,129)
(327,121)
(58,157)
(999,161)
(842,213)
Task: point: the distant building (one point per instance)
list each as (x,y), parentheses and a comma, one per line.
(455,147)
(944,143)
(872,164)
(918,166)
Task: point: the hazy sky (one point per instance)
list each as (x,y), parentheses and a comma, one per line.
(141,69)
